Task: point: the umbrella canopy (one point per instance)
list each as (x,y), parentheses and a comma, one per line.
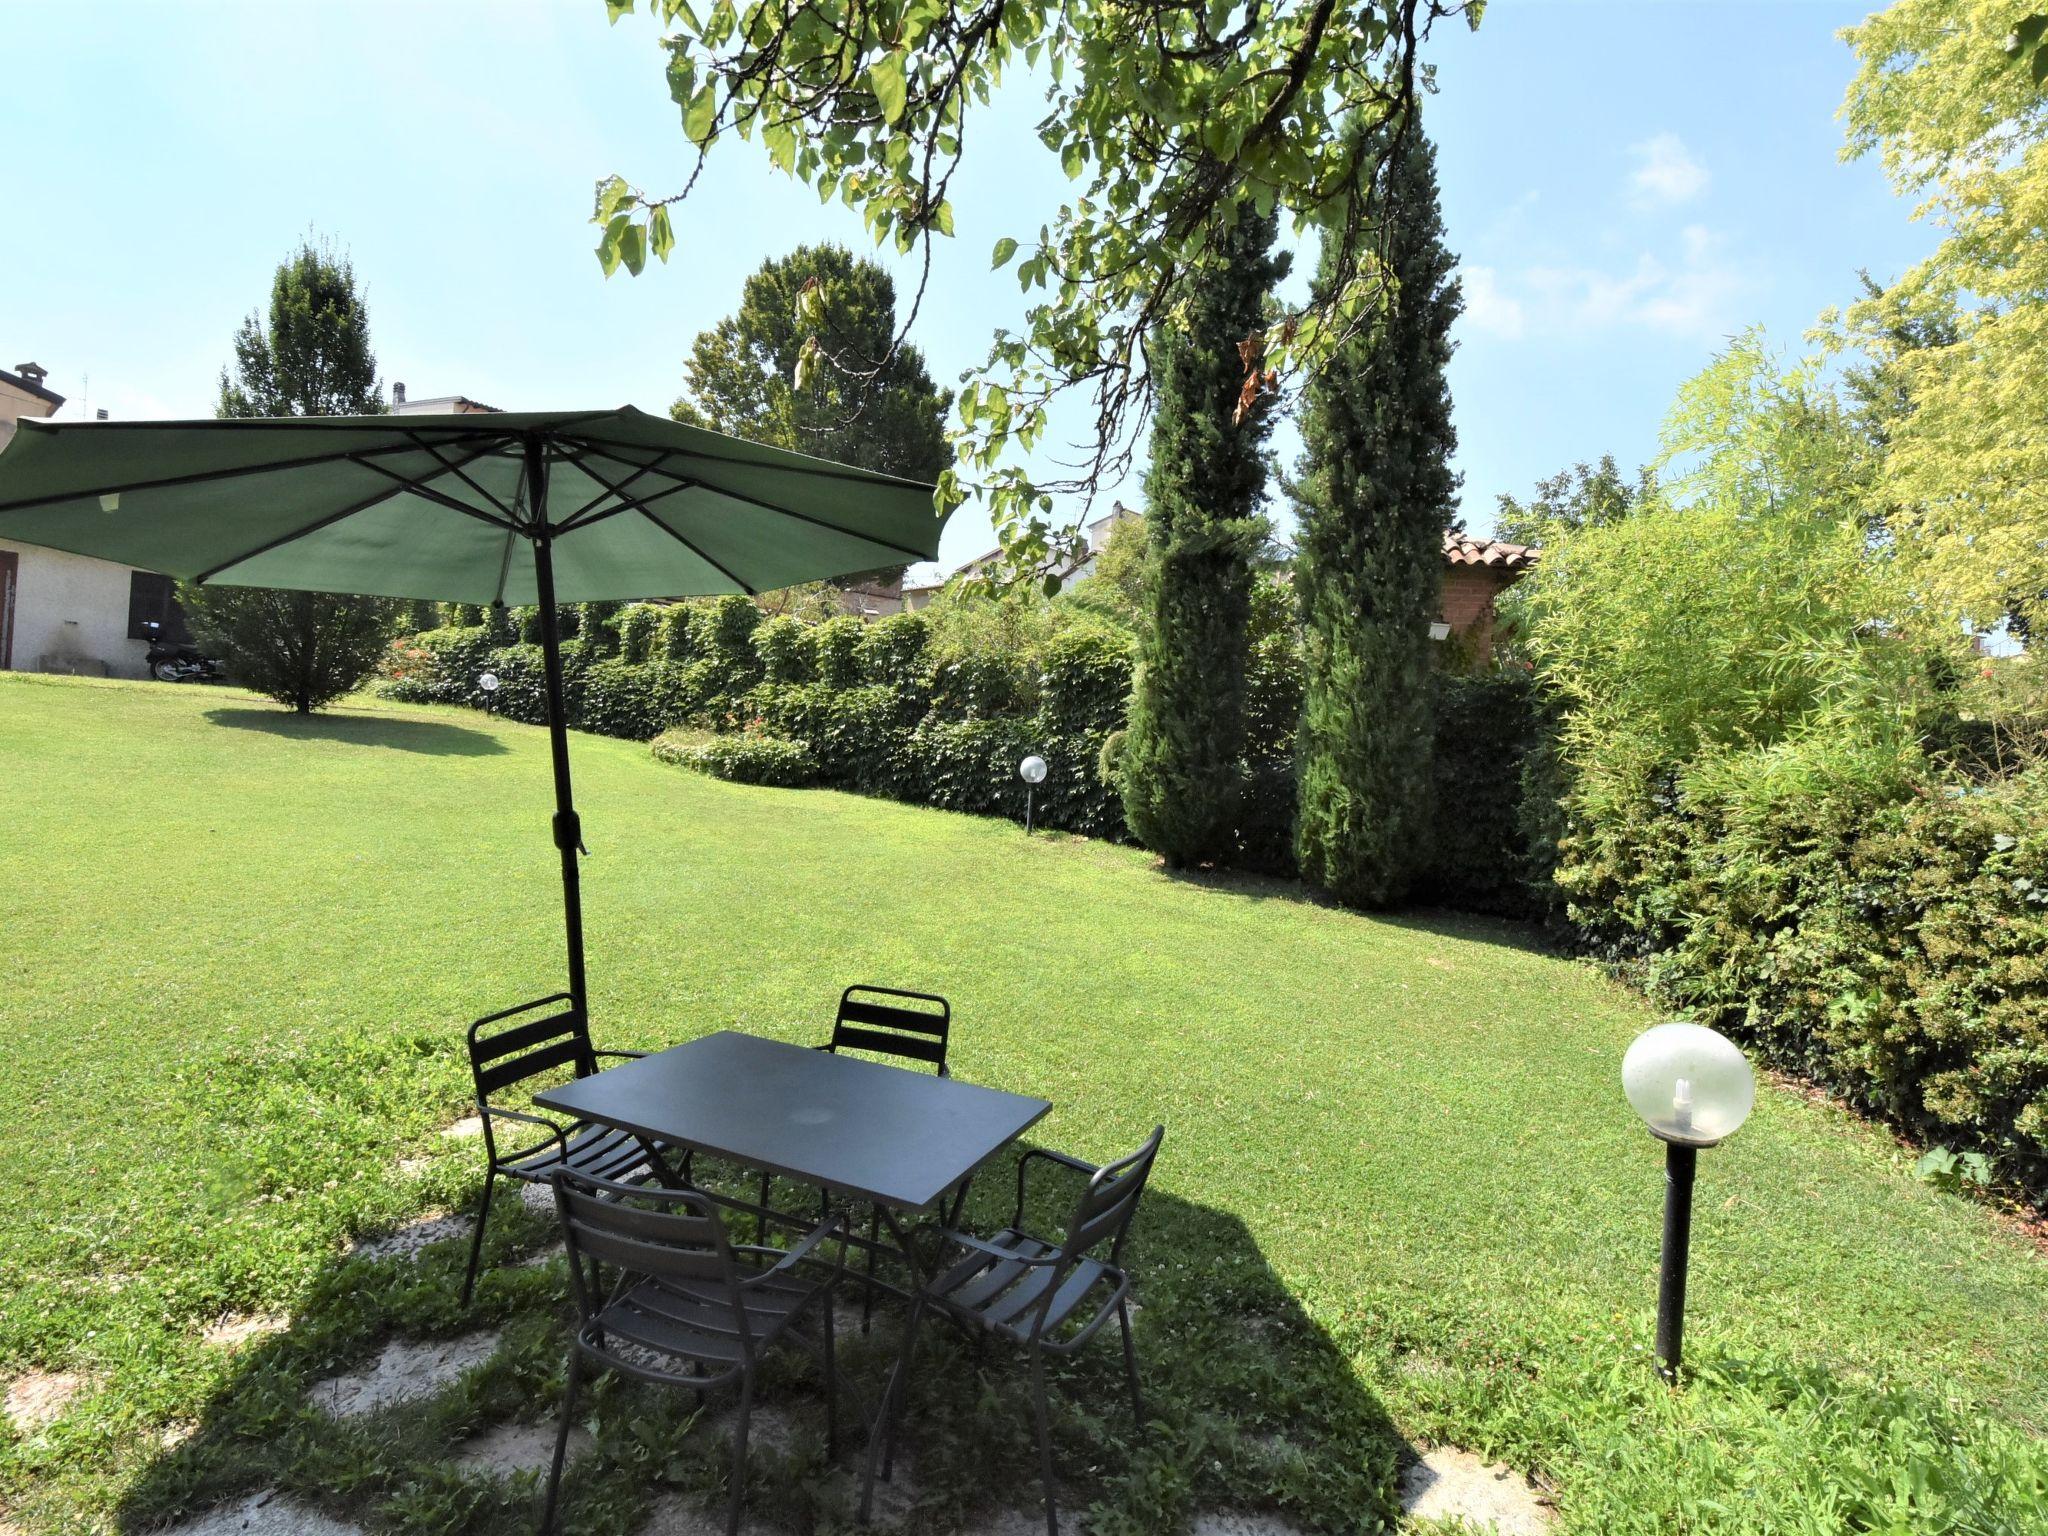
(514,507)
(444,507)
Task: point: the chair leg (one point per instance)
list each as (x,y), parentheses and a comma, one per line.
(867,1301)
(476,1242)
(1052,1518)
(547,1518)
(831,1387)
(739,1455)
(1123,1316)
(761,1218)
(881,1434)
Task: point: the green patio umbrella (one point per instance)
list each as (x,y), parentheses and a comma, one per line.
(514,507)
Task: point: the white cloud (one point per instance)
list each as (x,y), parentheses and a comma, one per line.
(1666,174)
(1692,295)
(1488,306)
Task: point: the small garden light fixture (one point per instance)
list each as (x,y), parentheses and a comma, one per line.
(1693,1089)
(489,684)
(1032,772)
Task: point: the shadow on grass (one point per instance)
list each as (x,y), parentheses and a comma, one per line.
(436,738)
(1251,1405)
(1444,922)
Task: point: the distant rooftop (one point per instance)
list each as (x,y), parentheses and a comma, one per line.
(437,405)
(1470,549)
(28,377)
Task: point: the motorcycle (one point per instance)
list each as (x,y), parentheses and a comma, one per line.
(172,661)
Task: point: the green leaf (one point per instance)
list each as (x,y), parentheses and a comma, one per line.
(614,9)
(1073,159)
(1051,585)
(613,195)
(942,218)
(1005,249)
(633,247)
(887,80)
(661,236)
(700,114)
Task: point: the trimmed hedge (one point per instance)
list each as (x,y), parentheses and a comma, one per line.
(746,759)
(878,709)
(1878,930)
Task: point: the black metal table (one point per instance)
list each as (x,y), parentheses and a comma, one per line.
(854,1128)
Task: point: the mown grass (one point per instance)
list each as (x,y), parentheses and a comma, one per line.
(1401,1198)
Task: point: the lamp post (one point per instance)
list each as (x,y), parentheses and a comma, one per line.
(489,683)
(1693,1089)
(1032,772)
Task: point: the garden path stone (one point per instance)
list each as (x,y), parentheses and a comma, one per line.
(505,1449)
(39,1398)
(1237,1522)
(1448,1483)
(240,1327)
(403,1372)
(678,1514)
(410,1240)
(263,1514)
(468,1128)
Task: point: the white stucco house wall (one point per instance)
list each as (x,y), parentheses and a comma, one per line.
(67,613)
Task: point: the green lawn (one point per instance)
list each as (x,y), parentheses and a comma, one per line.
(1401,1199)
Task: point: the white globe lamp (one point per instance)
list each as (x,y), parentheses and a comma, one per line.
(1693,1089)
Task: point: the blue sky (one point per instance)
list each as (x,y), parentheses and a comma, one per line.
(1626,184)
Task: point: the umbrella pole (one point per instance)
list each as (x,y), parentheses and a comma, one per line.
(568,827)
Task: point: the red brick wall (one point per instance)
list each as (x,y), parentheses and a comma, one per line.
(1469,591)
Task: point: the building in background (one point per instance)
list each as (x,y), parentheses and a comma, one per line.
(68,613)
(1476,572)
(919,594)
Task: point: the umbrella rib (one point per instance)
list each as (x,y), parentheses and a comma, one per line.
(274,466)
(693,549)
(418,486)
(819,467)
(766,506)
(576,519)
(324,521)
(462,475)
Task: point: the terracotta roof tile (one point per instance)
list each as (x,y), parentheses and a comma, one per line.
(1470,549)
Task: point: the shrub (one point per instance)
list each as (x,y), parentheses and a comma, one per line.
(440,666)
(745,759)
(1487,724)
(303,649)
(891,650)
(1086,681)
(636,627)
(981,685)
(854,734)
(838,642)
(620,699)
(1878,928)
(788,649)
(968,765)
(675,633)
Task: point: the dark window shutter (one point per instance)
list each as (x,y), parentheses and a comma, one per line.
(150,600)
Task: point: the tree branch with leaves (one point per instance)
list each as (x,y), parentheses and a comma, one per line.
(1161,112)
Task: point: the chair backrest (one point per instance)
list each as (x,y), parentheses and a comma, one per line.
(645,1232)
(515,1044)
(889,1022)
(1107,1205)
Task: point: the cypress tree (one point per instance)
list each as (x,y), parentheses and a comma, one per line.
(1183,764)
(1377,494)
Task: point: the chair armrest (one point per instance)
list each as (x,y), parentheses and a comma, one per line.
(1050,1156)
(995,1251)
(629,1055)
(561,1140)
(789,1258)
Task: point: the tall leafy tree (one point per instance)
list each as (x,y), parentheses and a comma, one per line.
(1183,766)
(1584,496)
(1377,493)
(312,358)
(1161,114)
(811,361)
(1961,127)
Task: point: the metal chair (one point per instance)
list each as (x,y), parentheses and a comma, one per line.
(867,1024)
(513,1046)
(686,1307)
(1028,1290)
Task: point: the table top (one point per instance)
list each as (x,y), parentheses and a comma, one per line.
(857,1127)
